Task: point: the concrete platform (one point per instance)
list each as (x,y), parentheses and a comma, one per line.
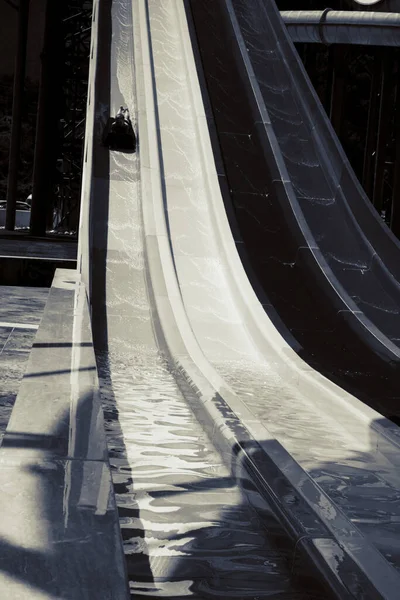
(59,532)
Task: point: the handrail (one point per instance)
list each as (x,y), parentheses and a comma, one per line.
(343,27)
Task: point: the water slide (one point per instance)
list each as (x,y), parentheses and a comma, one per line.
(222,440)
(310,232)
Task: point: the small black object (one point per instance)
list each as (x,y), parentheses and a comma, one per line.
(118,133)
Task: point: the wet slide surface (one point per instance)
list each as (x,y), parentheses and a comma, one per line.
(279,267)
(347,468)
(189,529)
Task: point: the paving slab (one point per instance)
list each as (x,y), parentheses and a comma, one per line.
(21,310)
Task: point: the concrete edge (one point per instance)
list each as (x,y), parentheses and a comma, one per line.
(84,230)
(339,552)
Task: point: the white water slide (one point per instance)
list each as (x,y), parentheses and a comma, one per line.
(179,331)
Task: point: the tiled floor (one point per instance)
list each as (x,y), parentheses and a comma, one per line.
(20,312)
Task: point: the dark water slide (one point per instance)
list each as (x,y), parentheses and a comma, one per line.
(324,265)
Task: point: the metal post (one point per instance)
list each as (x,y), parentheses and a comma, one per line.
(15,144)
(370,138)
(338,89)
(329,80)
(46,125)
(383,129)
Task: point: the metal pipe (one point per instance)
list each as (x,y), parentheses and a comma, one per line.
(383,127)
(343,27)
(15,143)
(371,133)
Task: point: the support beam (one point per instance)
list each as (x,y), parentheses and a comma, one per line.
(47,118)
(15,144)
(370,140)
(383,128)
(338,89)
(395,210)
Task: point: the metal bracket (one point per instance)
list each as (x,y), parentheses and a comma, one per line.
(321,24)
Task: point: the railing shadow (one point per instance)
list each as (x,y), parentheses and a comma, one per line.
(56,511)
(218,535)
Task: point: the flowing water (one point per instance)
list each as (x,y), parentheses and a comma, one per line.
(189,530)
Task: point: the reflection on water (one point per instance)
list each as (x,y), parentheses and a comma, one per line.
(188,530)
(359,481)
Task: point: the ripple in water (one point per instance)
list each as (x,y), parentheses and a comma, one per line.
(354,479)
(187,528)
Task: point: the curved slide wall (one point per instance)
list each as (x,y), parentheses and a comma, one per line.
(314,261)
(203,312)
(333,217)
